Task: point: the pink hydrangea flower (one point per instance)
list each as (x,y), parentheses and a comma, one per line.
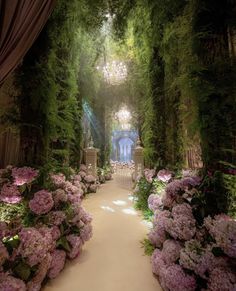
(59,196)
(171,251)
(10,283)
(221,279)
(36,282)
(58,179)
(56,233)
(86,232)
(82,174)
(10,194)
(157,236)
(76,245)
(77,178)
(176,279)
(183,224)
(196,258)
(223,229)
(85,216)
(33,245)
(57,263)
(42,202)
(181,227)
(93,188)
(83,168)
(24,175)
(90,179)
(158,263)
(154,202)
(56,217)
(74,199)
(164,176)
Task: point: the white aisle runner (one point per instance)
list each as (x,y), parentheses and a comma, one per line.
(113,259)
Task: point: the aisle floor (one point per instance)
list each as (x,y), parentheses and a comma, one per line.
(113,260)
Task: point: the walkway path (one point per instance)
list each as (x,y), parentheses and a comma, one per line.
(113,259)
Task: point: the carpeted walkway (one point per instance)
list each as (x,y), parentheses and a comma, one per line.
(113,259)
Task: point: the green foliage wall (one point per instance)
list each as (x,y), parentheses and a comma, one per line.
(52,81)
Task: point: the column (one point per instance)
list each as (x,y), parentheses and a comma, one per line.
(138,159)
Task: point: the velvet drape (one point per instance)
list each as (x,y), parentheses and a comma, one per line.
(20,23)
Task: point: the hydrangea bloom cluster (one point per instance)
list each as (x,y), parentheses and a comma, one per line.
(154,202)
(223,229)
(10,194)
(24,175)
(149,174)
(187,255)
(33,245)
(59,226)
(42,202)
(164,176)
(57,263)
(10,283)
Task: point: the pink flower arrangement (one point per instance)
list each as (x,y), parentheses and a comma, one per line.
(10,194)
(188,253)
(57,263)
(24,175)
(42,202)
(58,216)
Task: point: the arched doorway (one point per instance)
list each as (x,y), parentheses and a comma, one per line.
(125,149)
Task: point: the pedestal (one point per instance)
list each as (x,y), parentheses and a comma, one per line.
(91,160)
(138,160)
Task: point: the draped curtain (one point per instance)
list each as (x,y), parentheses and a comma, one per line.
(20,23)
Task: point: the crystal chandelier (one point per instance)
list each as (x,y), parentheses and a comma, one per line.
(114,72)
(123,115)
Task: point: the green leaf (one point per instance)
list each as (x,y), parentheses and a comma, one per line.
(217,252)
(62,242)
(22,270)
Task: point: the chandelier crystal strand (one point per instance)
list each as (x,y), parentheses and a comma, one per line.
(114,72)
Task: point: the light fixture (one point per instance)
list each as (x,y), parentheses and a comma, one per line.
(123,115)
(114,72)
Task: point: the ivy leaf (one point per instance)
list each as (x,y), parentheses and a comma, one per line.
(63,243)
